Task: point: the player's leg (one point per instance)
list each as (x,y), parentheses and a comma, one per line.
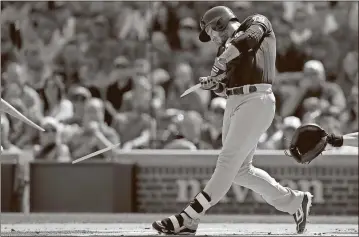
(294,202)
(248,120)
(226,122)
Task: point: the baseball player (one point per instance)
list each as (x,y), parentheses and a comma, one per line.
(243,72)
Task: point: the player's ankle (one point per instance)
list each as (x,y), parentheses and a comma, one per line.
(198,207)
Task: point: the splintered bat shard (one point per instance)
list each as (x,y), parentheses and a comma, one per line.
(191,89)
(95,153)
(7,108)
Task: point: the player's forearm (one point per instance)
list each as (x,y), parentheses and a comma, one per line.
(230,53)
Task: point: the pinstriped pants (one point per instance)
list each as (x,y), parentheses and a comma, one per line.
(246,118)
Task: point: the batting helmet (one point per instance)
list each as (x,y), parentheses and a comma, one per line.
(218,18)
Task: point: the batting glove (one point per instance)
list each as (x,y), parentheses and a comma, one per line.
(208,83)
(219,69)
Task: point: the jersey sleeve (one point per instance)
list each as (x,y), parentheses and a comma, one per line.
(256,19)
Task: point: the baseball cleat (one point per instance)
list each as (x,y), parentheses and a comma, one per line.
(301,215)
(179,224)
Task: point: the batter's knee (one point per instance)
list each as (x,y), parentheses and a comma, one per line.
(232,155)
(245,169)
(227,158)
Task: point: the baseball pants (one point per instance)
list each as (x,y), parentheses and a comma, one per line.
(246,118)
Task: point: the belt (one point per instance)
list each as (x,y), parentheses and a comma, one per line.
(247,89)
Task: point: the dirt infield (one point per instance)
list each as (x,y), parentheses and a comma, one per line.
(140,225)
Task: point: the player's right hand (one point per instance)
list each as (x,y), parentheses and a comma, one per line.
(208,83)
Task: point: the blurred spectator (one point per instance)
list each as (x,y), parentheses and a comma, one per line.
(50,145)
(301,32)
(142,67)
(160,76)
(185,9)
(70,60)
(21,135)
(183,79)
(349,73)
(275,126)
(118,50)
(188,135)
(119,82)
(5,130)
(314,84)
(349,117)
(189,43)
(135,23)
(212,131)
(281,139)
(143,97)
(162,52)
(188,34)
(134,122)
(93,134)
(16,87)
(36,69)
(100,28)
(56,104)
(312,109)
(319,47)
(44,24)
(167,21)
(79,96)
(134,128)
(7,46)
(329,122)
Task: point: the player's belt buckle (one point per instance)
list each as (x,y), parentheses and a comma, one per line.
(240,90)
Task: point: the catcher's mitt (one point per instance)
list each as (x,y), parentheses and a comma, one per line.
(309,141)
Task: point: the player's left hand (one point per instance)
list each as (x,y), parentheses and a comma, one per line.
(219,69)
(208,83)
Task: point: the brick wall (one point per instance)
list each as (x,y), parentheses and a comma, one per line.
(167,180)
(168,188)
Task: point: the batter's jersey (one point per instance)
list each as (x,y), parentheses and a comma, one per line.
(257,65)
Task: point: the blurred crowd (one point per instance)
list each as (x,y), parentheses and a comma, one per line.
(99,73)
